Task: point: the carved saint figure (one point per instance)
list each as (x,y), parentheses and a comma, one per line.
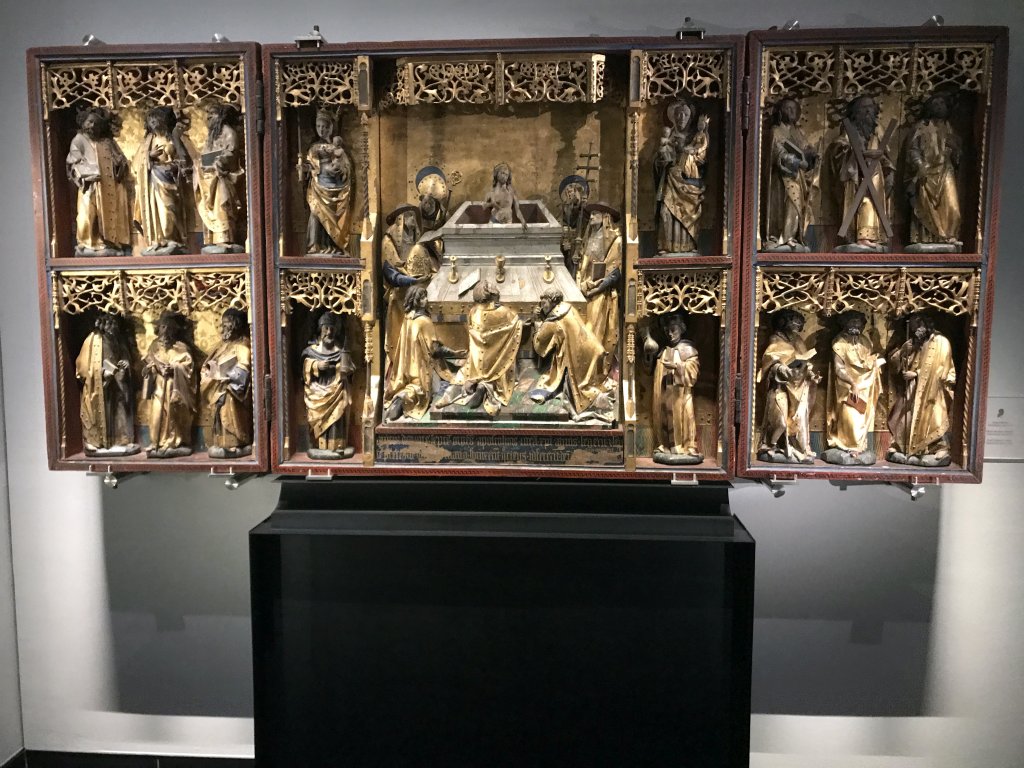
(576,356)
(169,386)
(854,384)
(418,355)
(919,420)
(502,200)
(679,179)
(435,194)
(573,192)
(220,194)
(675,374)
(789,181)
(327,174)
(788,375)
(161,168)
(327,375)
(103,367)
(98,167)
(400,241)
(489,375)
(599,276)
(225,385)
(865,206)
(933,157)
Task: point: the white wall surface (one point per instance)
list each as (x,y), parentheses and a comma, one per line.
(11,736)
(887,631)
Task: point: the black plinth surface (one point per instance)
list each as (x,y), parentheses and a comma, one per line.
(430,623)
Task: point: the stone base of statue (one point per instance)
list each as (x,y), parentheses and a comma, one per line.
(339,252)
(110,250)
(774,246)
(117,450)
(675,254)
(222,248)
(775,456)
(954,247)
(169,453)
(168,249)
(677,459)
(218,452)
(861,248)
(849,458)
(324,454)
(917,460)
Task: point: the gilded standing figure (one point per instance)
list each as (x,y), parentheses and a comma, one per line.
(327,174)
(103,366)
(854,385)
(933,157)
(788,375)
(169,385)
(673,416)
(327,369)
(793,161)
(679,176)
(866,231)
(98,168)
(926,378)
(162,170)
(225,385)
(220,193)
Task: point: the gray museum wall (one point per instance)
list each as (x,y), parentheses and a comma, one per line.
(887,631)
(11,736)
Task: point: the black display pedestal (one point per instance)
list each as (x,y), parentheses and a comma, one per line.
(395,623)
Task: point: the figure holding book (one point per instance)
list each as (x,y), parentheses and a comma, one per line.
(220,195)
(788,375)
(103,366)
(225,386)
(327,370)
(169,386)
(599,276)
(789,182)
(854,384)
(99,169)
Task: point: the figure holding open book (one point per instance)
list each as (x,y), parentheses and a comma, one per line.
(788,375)
(793,161)
(226,388)
(854,384)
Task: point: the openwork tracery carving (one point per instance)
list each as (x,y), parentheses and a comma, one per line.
(887,291)
(873,70)
(147,83)
(913,70)
(798,73)
(782,290)
(699,292)
(447,82)
(965,68)
(947,292)
(138,291)
(559,81)
(856,290)
(669,74)
(88,85)
(79,292)
(338,292)
(318,82)
(124,84)
(218,291)
(214,81)
(500,79)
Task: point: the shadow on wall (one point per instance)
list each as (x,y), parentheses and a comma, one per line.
(843,600)
(177,563)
